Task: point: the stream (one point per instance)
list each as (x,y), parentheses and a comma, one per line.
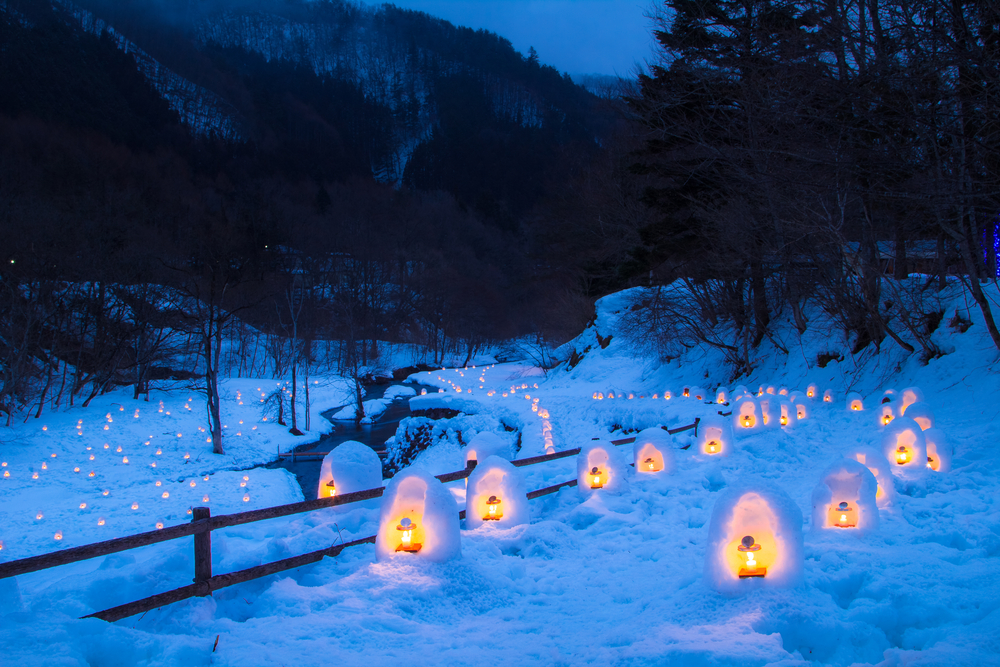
(306,470)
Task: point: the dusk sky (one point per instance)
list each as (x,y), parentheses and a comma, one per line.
(575,36)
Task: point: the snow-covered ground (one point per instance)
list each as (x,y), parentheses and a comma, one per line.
(602,580)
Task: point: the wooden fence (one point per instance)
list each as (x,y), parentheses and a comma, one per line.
(203,523)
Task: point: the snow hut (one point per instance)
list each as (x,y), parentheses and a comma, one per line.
(350,467)
(787,415)
(886,413)
(921,413)
(889,395)
(698,393)
(740,390)
(755,534)
(419,518)
(601,468)
(715,436)
(686,391)
(722,395)
(801,409)
(484,445)
(903,443)
(783,391)
(812,391)
(653,451)
(845,498)
(854,402)
(746,415)
(768,405)
(496,495)
(938,450)
(908,397)
(828,396)
(878,465)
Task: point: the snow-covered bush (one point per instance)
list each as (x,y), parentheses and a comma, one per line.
(351,466)
(878,465)
(754,539)
(419,518)
(903,443)
(715,436)
(939,450)
(653,452)
(415,434)
(922,414)
(845,498)
(496,495)
(601,468)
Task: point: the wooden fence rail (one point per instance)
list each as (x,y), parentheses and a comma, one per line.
(202,524)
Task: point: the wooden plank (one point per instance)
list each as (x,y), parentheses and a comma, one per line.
(520,463)
(218,582)
(551,489)
(88,551)
(222,581)
(686,428)
(623,441)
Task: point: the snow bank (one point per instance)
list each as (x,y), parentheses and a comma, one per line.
(419,518)
(351,466)
(497,480)
(845,498)
(754,539)
(398,391)
(601,468)
(373,410)
(653,452)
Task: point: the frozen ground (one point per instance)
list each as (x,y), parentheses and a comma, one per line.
(607,580)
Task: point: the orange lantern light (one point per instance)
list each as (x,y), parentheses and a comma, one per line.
(902,455)
(331,489)
(748,547)
(406,530)
(596,478)
(843,515)
(494,511)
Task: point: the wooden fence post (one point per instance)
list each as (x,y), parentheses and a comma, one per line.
(202,549)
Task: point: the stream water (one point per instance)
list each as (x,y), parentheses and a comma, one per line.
(306,470)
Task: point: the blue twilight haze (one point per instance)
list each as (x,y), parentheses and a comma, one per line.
(575,36)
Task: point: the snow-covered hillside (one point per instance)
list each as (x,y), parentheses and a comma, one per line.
(596,579)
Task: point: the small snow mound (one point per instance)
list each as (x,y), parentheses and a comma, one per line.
(419,518)
(754,539)
(845,498)
(351,466)
(653,452)
(497,480)
(601,468)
